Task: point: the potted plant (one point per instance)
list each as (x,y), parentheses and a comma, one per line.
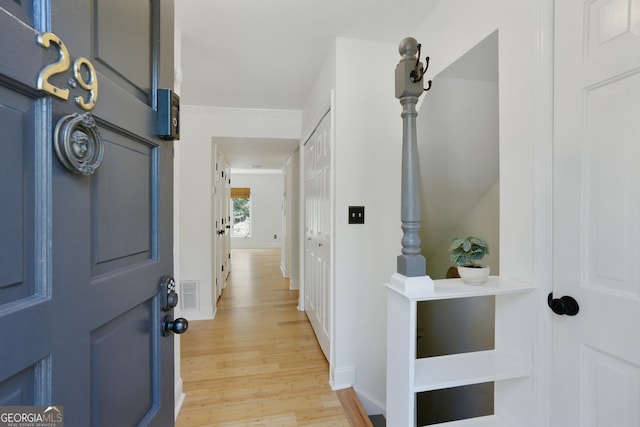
(465,252)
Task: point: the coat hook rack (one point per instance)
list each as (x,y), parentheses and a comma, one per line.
(418,71)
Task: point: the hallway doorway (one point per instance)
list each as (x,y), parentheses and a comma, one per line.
(258,362)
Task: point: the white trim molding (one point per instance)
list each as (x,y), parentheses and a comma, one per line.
(371,405)
(340,378)
(179,397)
(543,205)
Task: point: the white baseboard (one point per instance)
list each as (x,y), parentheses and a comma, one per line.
(371,405)
(294,285)
(340,378)
(179,397)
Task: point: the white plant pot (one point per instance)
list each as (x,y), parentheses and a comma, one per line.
(474,275)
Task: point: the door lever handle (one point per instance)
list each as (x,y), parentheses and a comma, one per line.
(565,305)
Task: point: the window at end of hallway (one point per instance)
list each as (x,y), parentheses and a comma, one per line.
(241,208)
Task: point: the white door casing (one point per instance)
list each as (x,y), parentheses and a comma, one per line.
(596,354)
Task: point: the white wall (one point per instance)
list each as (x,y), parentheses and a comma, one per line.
(453,28)
(482,220)
(319,99)
(267,196)
(458,136)
(293,222)
(367,172)
(193,181)
(458,149)
(368,140)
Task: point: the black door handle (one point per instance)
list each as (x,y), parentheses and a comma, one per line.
(565,305)
(178,326)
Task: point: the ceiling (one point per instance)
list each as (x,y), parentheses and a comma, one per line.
(256,153)
(265,53)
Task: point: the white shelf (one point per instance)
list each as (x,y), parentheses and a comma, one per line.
(508,365)
(434,373)
(489,421)
(456,288)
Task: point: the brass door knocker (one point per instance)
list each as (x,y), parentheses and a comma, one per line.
(78,143)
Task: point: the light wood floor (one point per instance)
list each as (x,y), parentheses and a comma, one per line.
(258,362)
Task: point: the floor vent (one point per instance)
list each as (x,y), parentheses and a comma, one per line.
(189,295)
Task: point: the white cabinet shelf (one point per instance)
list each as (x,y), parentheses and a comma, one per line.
(509,364)
(456,288)
(436,373)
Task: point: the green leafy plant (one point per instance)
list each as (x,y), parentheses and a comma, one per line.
(466,251)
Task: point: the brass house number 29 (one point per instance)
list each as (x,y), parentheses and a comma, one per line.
(84,73)
(76,138)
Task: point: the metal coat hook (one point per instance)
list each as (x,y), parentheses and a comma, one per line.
(418,71)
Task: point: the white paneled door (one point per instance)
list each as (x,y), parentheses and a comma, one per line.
(596,354)
(317,265)
(226,201)
(220,209)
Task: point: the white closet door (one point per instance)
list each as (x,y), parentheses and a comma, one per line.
(317,271)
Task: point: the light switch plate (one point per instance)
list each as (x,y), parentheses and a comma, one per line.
(356,214)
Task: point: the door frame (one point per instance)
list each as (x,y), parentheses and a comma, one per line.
(543,205)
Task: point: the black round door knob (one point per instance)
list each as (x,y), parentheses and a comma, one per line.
(565,305)
(178,326)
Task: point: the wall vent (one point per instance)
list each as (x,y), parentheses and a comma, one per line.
(189,295)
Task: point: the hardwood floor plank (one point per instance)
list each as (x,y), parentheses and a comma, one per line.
(353,408)
(258,362)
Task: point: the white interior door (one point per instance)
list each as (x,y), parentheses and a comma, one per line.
(317,265)
(596,354)
(226,206)
(219,229)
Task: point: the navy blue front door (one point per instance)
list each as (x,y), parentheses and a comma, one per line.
(81,256)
